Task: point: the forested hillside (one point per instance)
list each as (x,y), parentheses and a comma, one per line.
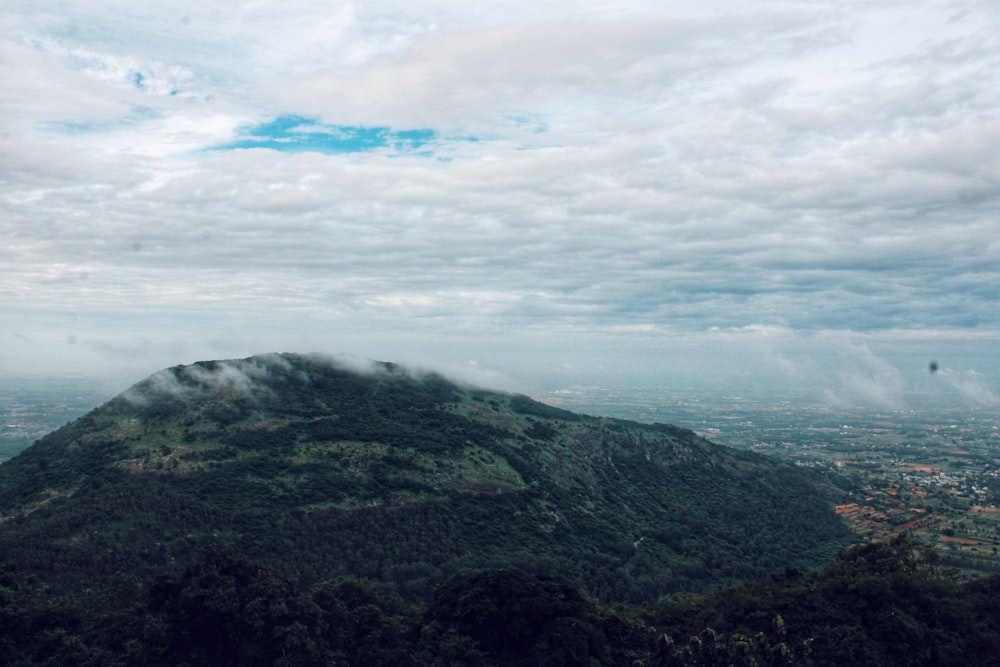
(405,479)
(283,510)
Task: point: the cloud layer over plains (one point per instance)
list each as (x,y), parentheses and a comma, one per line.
(505,187)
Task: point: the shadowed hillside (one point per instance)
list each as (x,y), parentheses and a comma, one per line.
(402,478)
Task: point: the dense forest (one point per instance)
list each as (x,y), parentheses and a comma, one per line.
(878,604)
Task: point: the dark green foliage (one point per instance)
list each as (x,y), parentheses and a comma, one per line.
(362,627)
(228,611)
(55,462)
(17,597)
(877,604)
(225,609)
(106,628)
(540,431)
(517,619)
(709,649)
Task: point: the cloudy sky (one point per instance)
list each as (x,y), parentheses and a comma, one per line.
(721,192)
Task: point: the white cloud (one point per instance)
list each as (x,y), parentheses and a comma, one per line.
(705,176)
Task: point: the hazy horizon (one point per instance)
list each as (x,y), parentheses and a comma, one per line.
(848,379)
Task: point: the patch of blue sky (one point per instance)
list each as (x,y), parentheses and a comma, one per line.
(300,134)
(139,80)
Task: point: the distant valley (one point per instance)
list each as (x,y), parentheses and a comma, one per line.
(34,407)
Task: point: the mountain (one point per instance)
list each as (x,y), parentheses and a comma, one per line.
(402,478)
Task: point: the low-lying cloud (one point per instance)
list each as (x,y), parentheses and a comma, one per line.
(972,386)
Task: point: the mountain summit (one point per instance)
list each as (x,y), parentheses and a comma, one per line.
(405,478)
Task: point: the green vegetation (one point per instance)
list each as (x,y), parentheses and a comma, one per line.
(283,511)
(881,604)
(877,604)
(403,479)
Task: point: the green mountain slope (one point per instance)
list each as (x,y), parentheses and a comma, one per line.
(405,479)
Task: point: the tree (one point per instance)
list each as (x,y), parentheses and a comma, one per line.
(518,618)
(225,610)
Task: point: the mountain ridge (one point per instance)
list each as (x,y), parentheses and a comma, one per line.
(400,477)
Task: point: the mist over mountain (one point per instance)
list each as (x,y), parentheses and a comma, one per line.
(321,470)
